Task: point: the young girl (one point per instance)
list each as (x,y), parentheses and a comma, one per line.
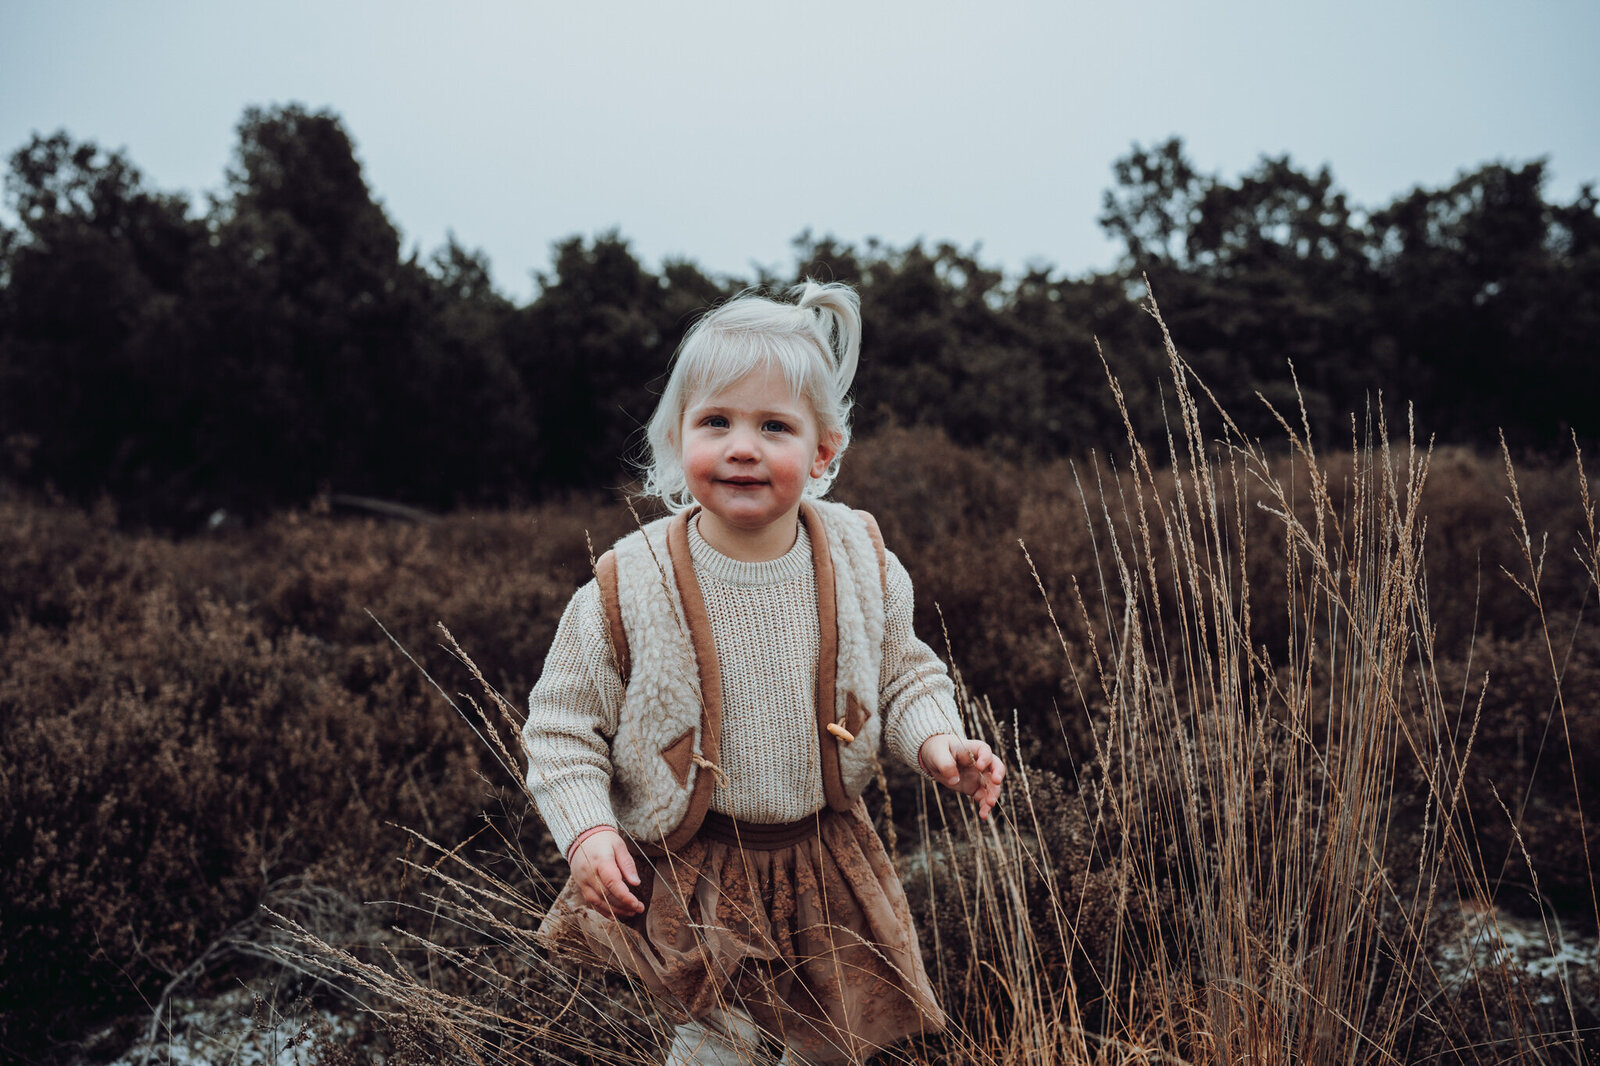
(713,705)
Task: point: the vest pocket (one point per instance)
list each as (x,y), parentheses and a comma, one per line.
(855,715)
(680,756)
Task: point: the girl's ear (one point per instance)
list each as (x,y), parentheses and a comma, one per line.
(827,448)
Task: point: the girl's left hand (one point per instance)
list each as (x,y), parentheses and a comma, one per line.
(968,766)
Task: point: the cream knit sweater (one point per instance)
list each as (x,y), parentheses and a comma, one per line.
(764,621)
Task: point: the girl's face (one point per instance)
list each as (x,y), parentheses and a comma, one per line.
(748,452)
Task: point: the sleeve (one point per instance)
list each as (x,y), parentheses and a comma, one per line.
(914,690)
(572,716)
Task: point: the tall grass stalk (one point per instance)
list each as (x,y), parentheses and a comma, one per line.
(1256,863)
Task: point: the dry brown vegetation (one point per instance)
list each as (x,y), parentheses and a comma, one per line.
(1276,714)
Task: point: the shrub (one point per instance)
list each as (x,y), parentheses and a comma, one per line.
(190,723)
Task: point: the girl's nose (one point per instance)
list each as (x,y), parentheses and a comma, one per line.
(742,446)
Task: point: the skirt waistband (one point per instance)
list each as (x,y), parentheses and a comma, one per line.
(760,836)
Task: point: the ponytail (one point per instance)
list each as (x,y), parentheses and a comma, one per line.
(839,302)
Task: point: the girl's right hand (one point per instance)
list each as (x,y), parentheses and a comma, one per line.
(969,766)
(603,870)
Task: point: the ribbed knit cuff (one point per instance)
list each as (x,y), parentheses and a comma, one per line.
(928,717)
(571,806)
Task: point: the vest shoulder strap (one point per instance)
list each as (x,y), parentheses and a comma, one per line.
(877,543)
(605,575)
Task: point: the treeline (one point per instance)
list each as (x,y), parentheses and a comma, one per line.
(280,343)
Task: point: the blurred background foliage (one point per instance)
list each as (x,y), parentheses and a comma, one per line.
(279,342)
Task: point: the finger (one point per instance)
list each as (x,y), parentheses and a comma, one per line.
(617,891)
(984,760)
(988,797)
(624,902)
(943,763)
(952,762)
(624,858)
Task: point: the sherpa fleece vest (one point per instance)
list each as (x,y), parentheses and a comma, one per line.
(669,733)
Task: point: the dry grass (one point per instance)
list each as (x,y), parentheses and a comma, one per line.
(1267,853)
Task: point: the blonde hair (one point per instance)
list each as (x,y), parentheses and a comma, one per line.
(815,341)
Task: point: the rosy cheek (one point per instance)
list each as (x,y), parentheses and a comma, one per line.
(698,463)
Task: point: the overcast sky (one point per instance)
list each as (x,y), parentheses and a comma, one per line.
(719,131)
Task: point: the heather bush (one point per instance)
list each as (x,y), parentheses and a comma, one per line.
(190,724)
(1521,784)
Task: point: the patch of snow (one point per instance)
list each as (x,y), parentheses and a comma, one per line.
(236,1028)
(1488,940)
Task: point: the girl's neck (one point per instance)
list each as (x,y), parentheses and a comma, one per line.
(751,545)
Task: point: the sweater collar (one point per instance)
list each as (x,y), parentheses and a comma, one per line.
(710,563)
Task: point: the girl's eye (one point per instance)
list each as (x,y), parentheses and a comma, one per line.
(772,425)
(715,422)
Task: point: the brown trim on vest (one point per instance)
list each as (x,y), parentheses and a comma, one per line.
(827,660)
(605,575)
(705,657)
(877,545)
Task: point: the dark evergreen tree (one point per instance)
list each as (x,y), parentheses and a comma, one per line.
(1496,293)
(308,321)
(91,322)
(593,350)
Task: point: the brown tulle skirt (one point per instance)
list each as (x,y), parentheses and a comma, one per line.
(804,926)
